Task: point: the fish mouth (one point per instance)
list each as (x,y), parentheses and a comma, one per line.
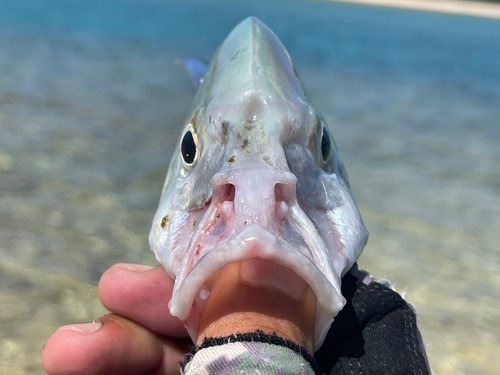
(290,268)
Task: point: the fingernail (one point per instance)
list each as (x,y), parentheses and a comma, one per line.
(83,328)
(134,267)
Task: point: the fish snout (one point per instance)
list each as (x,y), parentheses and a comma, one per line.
(260,196)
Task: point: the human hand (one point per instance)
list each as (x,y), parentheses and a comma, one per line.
(141,337)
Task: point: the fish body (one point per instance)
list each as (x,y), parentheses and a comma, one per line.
(256,176)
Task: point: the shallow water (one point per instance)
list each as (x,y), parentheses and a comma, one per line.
(91,106)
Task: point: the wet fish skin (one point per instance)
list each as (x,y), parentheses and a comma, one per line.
(259,185)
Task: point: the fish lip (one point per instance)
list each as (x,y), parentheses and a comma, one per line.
(255,241)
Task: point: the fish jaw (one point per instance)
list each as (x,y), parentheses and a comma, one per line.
(260,188)
(253,242)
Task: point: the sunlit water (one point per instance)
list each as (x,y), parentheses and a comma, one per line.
(91,106)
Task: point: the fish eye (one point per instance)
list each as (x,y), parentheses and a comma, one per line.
(326,144)
(189,146)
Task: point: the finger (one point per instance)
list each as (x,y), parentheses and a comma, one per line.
(110,345)
(141,293)
(259,294)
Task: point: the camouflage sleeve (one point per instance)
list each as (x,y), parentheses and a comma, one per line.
(253,353)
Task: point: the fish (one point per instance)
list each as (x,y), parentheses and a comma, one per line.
(256,175)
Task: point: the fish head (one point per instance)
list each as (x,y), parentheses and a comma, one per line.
(256,175)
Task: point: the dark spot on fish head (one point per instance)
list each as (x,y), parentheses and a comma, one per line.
(210,119)
(218,216)
(194,223)
(234,56)
(246,142)
(164,221)
(267,160)
(246,222)
(225,127)
(231,159)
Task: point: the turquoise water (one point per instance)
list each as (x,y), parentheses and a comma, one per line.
(91,106)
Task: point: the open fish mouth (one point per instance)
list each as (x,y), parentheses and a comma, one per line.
(255,242)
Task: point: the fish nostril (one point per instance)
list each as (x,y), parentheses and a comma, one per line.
(225,193)
(229,192)
(284,193)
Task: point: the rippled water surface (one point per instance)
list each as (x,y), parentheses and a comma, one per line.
(91,107)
